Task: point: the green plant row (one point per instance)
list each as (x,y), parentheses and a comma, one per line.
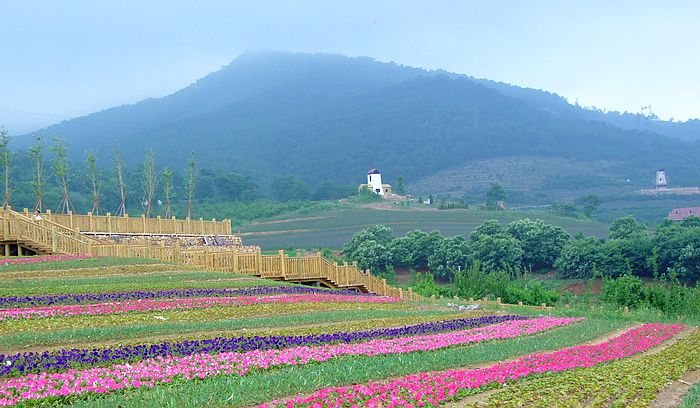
(200,280)
(80,263)
(632,382)
(692,398)
(187,315)
(332,321)
(263,386)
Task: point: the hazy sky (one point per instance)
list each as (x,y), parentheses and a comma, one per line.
(61,59)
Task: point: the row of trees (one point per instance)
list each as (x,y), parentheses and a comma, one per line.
(531,245)
(150,178)
(521,245)
(673,250)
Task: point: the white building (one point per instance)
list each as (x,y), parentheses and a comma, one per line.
(374,183)
(661,181)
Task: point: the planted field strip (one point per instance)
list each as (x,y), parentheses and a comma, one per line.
(201,280)
(283,324)
(24,362)
(435,388)
(82,298)
(150,372)
(187,315)
(135,306)
(634,382)
(261,386)
(124,269)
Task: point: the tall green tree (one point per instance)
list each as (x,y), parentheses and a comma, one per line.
(95,181)
(149,182)
(120,181)
(542,243)
(37,156)
(167,177)
(61,169)
(5,156)
(191,182)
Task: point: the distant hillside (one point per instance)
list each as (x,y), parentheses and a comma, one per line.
(329,117)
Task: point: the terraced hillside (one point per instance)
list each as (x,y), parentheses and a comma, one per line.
(109,333)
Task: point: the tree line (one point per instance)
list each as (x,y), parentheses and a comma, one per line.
(527,245)
(26,180)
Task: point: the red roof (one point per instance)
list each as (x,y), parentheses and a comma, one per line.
(679,214)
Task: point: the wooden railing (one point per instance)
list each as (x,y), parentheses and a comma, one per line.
(111,224)
(58,238)
(15,226)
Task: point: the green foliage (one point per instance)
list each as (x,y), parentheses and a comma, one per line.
(541,243)
(495,249)
(365,195)
(331,191)
(671,297)
(590,203)
(426,286)
(578,258)
(473,282)
(448,255)
(627,228)
(289,188)
(495,193)
(371,248)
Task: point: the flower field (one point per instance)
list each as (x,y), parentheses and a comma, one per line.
(148,335)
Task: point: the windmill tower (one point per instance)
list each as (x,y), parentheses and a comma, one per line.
(661,181)
(374,181)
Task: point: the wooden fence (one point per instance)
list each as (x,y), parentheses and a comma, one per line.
(111,224)
(56,238)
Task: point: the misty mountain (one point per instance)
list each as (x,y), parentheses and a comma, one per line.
(329,117)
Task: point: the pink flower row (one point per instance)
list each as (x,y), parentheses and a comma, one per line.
(144,305)
(37,259)
(150,372)
(434,388)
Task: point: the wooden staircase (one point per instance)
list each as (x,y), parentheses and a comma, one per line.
(48,237)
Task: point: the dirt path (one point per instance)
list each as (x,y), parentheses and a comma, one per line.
(672,395)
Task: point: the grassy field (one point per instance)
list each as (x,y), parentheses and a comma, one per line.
(333,227)
(128,334)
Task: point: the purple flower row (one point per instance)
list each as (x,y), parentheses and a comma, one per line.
(34,362)
(79,298)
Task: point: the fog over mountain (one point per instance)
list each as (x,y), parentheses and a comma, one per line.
(330,117)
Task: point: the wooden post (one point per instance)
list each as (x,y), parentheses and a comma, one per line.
(235,259)
(201,225)
(91,221)
(26,212)
(109,222)
(54,238)
(300,263)
(498,300)
(19,250)
(383,287)
(471,300)
(258,261)
(70,218)
(143,222)
(544,306)
(626,310)
(282,265)
(520,303)
(160,225)
(213,229)
(48,215)
(7,249)
(176,254)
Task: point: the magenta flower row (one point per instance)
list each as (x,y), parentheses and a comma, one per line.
(149,372)
(144,305)
(438,387)
(38,259)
